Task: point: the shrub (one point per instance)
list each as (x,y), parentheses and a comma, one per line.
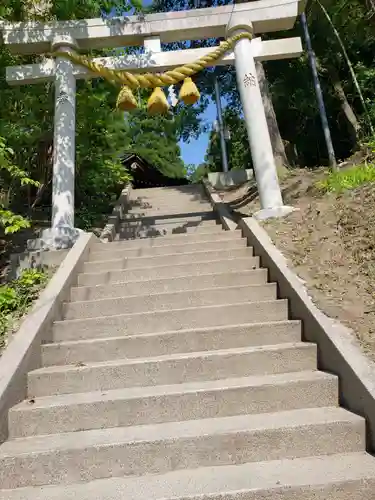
(17,296)
(347,179)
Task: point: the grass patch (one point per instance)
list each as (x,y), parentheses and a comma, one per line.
(343,180)
(16,298)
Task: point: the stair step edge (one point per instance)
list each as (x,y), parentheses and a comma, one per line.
(179,356)
(170,311)
(179,430)
(352,474)
(255,259)
(163,390)
(212,329)
(259,286)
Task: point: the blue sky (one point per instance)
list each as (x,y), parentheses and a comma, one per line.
(194,151)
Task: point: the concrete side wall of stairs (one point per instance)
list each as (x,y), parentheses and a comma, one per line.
(175,371)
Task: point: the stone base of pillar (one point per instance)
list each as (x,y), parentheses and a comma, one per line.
(274,213)
(57,238)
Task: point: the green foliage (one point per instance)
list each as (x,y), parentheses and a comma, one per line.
(9,171)
(29,283)
(26,121)
(350,178)
(11,179)
(17,296)
(12,223)
(155,138)
(291,83)
(99,190)
(102,135)
(293,91)
(371,145)
(237,146)
(195,174)
(101,140)
(8,299)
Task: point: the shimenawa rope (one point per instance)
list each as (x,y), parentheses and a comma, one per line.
(188,93)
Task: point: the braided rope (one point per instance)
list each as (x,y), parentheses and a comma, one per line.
(152,80)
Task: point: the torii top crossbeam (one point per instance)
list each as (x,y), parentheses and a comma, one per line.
(264,16)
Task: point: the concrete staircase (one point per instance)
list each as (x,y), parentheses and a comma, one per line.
(177,374)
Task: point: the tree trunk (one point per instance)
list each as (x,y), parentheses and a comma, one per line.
(370,5)
(350,66)
(354,126)
(278,148)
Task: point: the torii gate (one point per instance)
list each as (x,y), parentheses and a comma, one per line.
(150,31)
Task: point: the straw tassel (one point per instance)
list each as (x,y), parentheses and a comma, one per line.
(189,93)
(126,100)
(157,102)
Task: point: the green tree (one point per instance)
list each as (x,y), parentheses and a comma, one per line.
(293,91)
(26,120)
(197,172)
(26,117)
(237,145)
(155,138)
(12,180)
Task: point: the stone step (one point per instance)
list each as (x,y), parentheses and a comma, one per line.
(172,369)
(327,477)
(130,230)
(160,231)
(204,218)
(181,191)
(165,250)
(163,222)
(167,321)
(169,272)
(188,211)
(168,403)
(175,239)
(160,448)
(152,228)
(166,285)
(133,304)
(171,205)
(163,193)
(166,197)
(184,213)
(196,193)
(165,260)
(170,199)
(160,344)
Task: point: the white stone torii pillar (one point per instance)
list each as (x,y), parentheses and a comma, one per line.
(62,232)
(271,201)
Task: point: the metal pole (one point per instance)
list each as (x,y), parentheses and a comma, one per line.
(319,94)
(224,156)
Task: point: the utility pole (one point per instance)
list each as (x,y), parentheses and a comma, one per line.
(224,156)
(319,94)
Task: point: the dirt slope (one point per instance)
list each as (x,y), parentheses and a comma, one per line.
(330,243)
